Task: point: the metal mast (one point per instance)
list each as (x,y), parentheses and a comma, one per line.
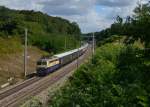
(25,52)
(93,43)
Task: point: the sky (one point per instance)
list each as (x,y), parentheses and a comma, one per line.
(91,15)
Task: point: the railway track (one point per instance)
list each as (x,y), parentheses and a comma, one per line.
(13,97)
(19,87)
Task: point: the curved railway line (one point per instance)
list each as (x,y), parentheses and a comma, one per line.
(14,96)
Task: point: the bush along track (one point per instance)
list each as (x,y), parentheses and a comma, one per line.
(117,76)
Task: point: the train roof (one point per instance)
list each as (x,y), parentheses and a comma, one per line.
(66,53)
(48,58)
(70,52)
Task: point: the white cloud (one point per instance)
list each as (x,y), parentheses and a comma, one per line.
(67,7)
(84,12)
(21,4)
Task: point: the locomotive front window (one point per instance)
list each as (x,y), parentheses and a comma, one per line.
(41,63)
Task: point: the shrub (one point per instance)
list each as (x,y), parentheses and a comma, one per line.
(33,103)
(116,77)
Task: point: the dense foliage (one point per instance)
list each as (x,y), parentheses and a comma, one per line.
(117,76)
(46,32)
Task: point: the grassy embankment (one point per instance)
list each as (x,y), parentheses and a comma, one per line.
(11,59)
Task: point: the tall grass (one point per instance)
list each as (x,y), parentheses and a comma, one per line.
(10,45)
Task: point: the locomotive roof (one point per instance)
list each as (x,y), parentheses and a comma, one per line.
(70,52)
(47,59)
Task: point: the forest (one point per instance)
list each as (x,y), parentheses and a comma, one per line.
(46,32)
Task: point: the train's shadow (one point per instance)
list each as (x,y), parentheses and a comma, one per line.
(31,75)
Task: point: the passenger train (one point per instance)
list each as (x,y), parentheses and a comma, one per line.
(48,65)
